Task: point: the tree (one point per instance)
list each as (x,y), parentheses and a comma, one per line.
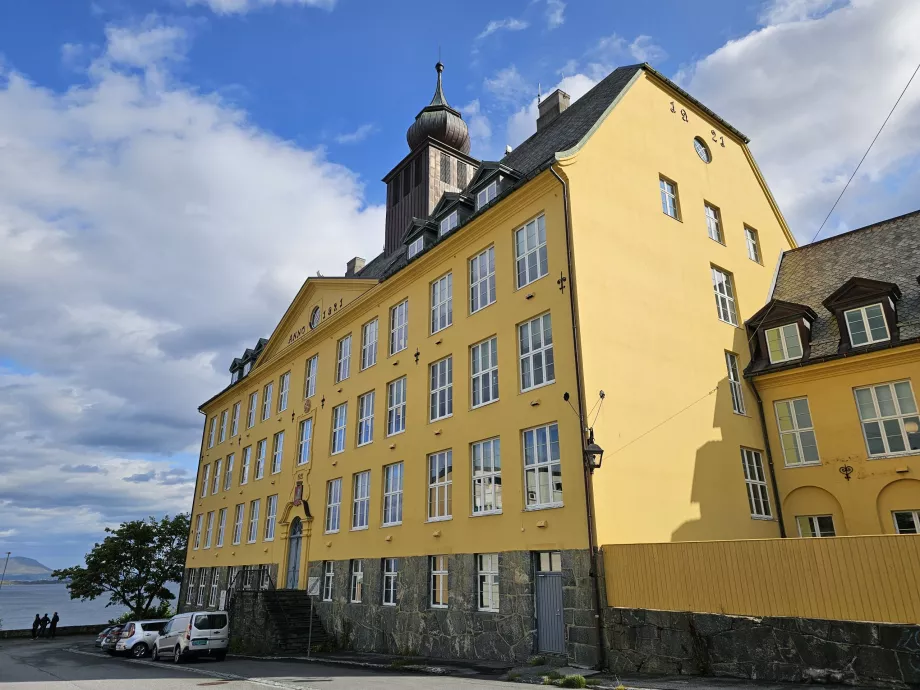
(133,564)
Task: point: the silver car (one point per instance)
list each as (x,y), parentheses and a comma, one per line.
(203,633)
(137,637)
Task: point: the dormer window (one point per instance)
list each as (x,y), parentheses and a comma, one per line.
(784,343)
(417,245)
(247,368)
(449,223)
(867,325)
(487,194)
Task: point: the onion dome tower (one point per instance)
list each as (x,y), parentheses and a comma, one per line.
(440,122)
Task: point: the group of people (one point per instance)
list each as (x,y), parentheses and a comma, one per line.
(43,623)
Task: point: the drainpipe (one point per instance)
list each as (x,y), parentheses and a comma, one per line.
(766,447)
(588,474)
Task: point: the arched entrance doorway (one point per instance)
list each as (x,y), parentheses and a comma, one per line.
(295,534)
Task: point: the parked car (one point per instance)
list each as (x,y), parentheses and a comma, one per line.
(102,634)
(111,637)
(198,633)
(137,637)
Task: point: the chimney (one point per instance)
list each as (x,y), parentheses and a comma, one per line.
(551,106)
(353,266)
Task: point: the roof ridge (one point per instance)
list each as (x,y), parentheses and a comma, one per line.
(855,230)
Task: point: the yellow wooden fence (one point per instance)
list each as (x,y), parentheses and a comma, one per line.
(867,578)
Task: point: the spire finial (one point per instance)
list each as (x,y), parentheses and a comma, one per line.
(438,98)
(539,92)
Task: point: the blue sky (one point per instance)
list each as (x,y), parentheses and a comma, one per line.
(172,170)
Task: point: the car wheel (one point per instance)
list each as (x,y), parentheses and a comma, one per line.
(139,651)
(220,656)
(177,655)
(155,654)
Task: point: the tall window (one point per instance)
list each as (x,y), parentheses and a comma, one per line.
(461,174)
(366,418)
(208,530)
(440,481)
(420,169)
(339,421)
(357,580)
(796,432)
(753,243)
(442,313)
(343,359)
(487,566)
(211,431)
(482,280)
(449,223)
(907,521)
(486,194)
(306,437)
(442,389)
(333,504)
(407,180)
(867,325)
(235,421)
(538,366)
(530,251)
(223,427)
(438,579)
(228,473)
(396,406)
(889,418)
(205,480)
(445,169)
(542,467)
(756,483)
(816,525)
(251,412)
(725,296)
(238,522)
(713,223)
(399,327)
(734,382)
(390,576)
(487,477)
(221,526)
(417,245)
(484,372)
(369,344)
(284,387)
(215,486)
(253,521)
(277,452)
(271,510)
(244,467)
(784,343)
(361,500)
(267,400)
(392,494)
(212,598)
(328,578)
(669,198)
(198,519)
(203,582)
(192,586)
(310,378)
(260,458)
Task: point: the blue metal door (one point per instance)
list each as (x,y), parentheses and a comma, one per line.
(550,621)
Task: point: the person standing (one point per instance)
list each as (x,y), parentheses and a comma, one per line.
(54,621)
(37,622)
(44,624)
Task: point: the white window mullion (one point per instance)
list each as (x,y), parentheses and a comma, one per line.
(442,389)
(482,280)
(535,339)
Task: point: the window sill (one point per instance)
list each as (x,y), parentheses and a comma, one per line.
(438,607)
(733,325)
(764,518)
(889,456)
(337,452)
(492,611)
(367,367)
(268,540)
(485,404)
(440,330)
(486,512)
(391,524)
(541,385)
(741,414)
(366,443)
(334,531)
(440,419)
(548,506)
(389,605)
(440,519)
(482,308)
(535,280)
(358,529)
(803,464)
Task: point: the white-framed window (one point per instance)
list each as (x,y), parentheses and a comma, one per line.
(244,467)
(228,473)
(238,522)
(724,290)
(816,525)
(328,579)
(538,365)
(449,223)
(215,485)
(734,382)
(343,359)
(440,485)
(221,526)
(271,511)
(198,521)
(208,530)
(357,581)
(192,586)
(361,500)
(205,480)
(487,567)
(417,245)
(253,521)
(203,581)
(333,504)
(784,343)
(306,439)
(222,436)
(482,280)
(888,413)
(442,389)
(752,239)
(368,344)
(442,303)
(212,430)
(277,452)
(530,251)
(669,204)
(212,598)
(487,476)
(366,418)
(396,406)
(392,494)
(267,400)
(906,521)
(284,387)
(260,458)
(438,579)
(756,482)
(235,420)
(310,377)
(867,325)
(251,412)
(713,223)
(484,372)
(486,194)
(339,422)
(390,578)
(399,327)
(796,432)
(542,466)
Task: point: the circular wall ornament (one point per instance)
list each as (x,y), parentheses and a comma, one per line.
(702,150)
(314,317)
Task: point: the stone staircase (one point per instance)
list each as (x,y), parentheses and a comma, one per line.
(290,610)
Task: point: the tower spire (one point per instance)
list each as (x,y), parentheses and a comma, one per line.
(438,98)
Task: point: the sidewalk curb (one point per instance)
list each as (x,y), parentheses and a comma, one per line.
(414,668)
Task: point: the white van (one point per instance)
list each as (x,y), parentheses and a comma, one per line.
(198,633)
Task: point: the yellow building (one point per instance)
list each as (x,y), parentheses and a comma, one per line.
(836,355)
(413,443)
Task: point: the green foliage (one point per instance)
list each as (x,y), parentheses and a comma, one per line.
(161,610)
(536,661)
(133,565)
(574,681)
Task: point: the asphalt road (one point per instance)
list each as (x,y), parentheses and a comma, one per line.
(73,663)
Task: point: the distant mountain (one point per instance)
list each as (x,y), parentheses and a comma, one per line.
(21,568)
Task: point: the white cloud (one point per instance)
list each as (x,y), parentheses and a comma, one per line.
(644,49)
(523,123)
(780,11)
(611,49)
(509,24)
(478,123)
(555,14)
(244,6)
(508,85)
(359,135)
(149,44)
